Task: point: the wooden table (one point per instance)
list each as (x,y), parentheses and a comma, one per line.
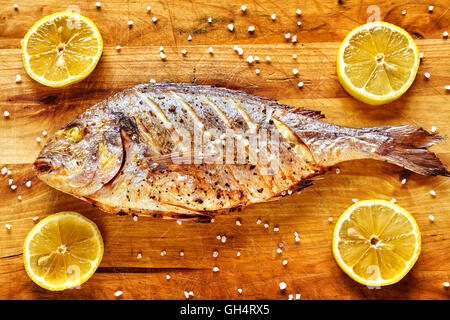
(311,269)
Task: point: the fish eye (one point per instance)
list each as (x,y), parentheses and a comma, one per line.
(73,133)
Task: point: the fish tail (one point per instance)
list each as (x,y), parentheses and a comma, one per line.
(406,146)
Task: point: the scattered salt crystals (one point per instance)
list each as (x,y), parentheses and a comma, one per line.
(161,48)
(135,218)
(285,262)
(35,218)
(10,181)
(155,19)
(421,55)
(162,55)
(8,226)
(445,34)
(294,56)
(447,87)
(179,222)
(16,6)
(238,253)
(223,239)
(4,170)
(215,253)
(13,187)
(273,16)
(256,59)
(189,38)
(44,133)
(18,78)
(231,27)
(212,220)
(209,20)
(431,218)
(38,139)
(186,294)
(118,293)
(291,297)
(373,150)
(181,253)
(257,221)
(98,4)
(211,50)
(287,36)
(266,225)
(239,290)
(244,8)
(130,23)
(149,9)
(215,269)
(268,58)
(403,181)
(118,48)
(257,71)
(446,284)
(299,12)
(235,47)
(355,200)
(6,113)
(139,256)
(283,285)
(250,59)
(297,296)
(295,71)
(218,237)
(240,51)
(168,276)
(276,229)
(279,250)
(427,75)
(430,9)
(294,39)
(163,252)
(8,173)
(300,84)
(251,29)
(28,183)
(393,200)
(238,222)
(299,23)
(191,293)
(403,12)
(338,171)
(330,219)
(152,80)
(433,193)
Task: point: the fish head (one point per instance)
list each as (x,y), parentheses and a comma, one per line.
(81,157)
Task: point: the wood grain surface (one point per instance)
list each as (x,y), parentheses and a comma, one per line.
(311,269)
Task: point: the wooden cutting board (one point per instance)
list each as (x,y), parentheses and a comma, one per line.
(311,269)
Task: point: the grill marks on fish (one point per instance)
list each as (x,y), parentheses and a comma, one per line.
(131,148)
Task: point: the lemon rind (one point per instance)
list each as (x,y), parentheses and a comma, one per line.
(348,270)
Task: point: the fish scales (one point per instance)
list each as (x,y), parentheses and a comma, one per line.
(188,151)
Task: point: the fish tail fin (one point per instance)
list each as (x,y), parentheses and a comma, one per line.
(407,146)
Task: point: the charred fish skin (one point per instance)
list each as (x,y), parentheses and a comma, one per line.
(164,150)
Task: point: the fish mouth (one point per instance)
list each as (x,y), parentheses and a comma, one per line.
(45,166)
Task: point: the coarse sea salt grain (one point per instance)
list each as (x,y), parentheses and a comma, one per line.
(130,23)
(446,284)
(118,48)
(431,218)
(215,269)
(421,55)
(427,75)
(8,226)
(251,29)
(184,52)
(155,19)
(181,253)
(230,27)
(118,293)
(189,38)
(238,253)
(35,218)
(447,87)
(285,262)
(139,256)
(287,36)
(4,170)
(98,4)
(38,139)
(149,9)
(430,9)
(239,290)
(257,71)
(223,239)
(433,193)
(215,253)
(244,8)
(279,250)
(276,229)
(168,277)
(393,200)
(209,20)
(163,252)
(162,55)
(330,219)
(355,200)
(403,181)
(268,59)
(403,12)
(211,50)
(283,285)
(294,39)
(295,71)
(13,187)
(6,113)
(273,16)
(152,80)
(250,59)
(299,12)
(297,296)
(16,6)
(445,34)
(294,56)
(135,218)
(300,84)
(18,78)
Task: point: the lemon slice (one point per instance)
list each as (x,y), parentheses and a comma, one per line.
(376,242)
(61,49)
(62,251)
(377,62)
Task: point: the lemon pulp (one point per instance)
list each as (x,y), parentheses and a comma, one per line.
(61,49)
(62,251)
(377,62)
(376,242)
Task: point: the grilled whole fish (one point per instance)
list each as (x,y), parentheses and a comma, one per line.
(164,150)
